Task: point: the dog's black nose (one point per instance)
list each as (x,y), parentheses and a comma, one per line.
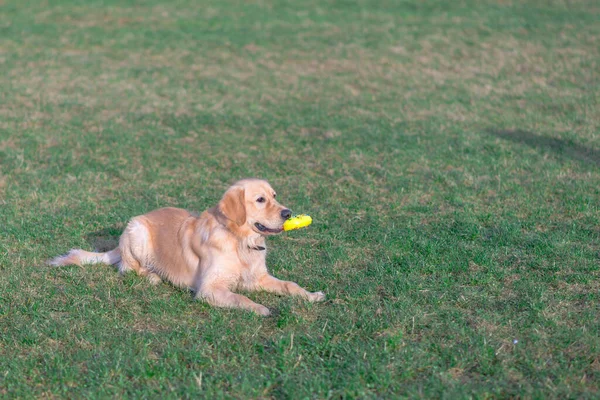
(286,214)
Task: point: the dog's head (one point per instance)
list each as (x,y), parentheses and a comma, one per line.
(252,203)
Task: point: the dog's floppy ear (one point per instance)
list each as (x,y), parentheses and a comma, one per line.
(233,206)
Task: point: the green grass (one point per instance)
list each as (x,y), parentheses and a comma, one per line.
(448,153)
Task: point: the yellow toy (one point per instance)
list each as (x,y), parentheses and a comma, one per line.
(299,221)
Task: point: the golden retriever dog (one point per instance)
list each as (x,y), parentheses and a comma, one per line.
(213,254)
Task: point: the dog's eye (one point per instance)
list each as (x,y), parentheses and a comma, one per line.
(260,200)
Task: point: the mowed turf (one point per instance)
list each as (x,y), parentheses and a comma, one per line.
(448,152)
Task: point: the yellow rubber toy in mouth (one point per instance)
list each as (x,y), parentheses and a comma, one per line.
(299,221)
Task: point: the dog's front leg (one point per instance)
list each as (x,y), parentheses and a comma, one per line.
(223,297)
(269,283)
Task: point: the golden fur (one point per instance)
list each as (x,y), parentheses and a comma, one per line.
(213,254)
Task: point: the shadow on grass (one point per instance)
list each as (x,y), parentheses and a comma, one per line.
(565,148)
(105,239)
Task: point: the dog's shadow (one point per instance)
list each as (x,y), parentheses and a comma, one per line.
(105,239)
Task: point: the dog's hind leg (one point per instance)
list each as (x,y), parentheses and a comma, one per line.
(135,251)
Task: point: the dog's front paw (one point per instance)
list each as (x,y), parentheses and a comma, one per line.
(262,310)
(316,296)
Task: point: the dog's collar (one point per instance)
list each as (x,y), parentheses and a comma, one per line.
(259,248)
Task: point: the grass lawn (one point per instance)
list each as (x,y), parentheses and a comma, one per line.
(448,152)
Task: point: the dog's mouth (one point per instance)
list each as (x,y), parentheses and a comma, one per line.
(264,229)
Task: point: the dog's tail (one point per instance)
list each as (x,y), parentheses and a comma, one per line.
(81,257)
